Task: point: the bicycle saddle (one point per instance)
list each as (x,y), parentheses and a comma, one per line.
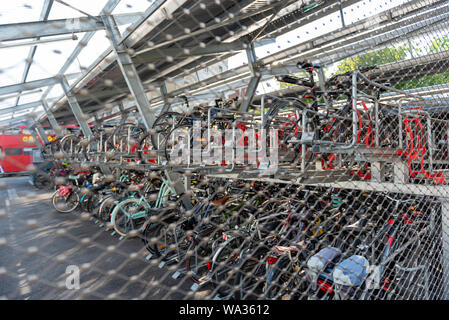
(283,249)
(220,202)
(356,226)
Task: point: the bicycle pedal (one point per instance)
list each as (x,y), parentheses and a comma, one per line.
(148,257)
(113,233)
(121,238)
(177,275)
(162,264)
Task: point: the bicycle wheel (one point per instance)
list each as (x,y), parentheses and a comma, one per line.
(122,217)
(154,141)
(65,204)
(284,280)
(223,261)
(156,235)
(106,207)
(197,255)
(249,278)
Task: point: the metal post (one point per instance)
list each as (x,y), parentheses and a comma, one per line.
(76,109)
(33,134)
(445,244)
(164,94)
(376,118)
(401,147)
(178,185)
(354,108)
(322,84)
(254,81)
(129,72)
(400,172)
(303,145)
(41,133)
(97,121)
(410,48)
(447,139)
(51,119)
(341,15)
(431,145)
(378,171)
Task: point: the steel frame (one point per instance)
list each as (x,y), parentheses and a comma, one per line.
(75,107)
(130,73)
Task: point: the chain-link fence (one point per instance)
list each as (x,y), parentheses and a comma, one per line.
(231,150)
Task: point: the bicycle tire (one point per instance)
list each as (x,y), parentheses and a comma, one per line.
(58,208)
(121,223)
(196,276)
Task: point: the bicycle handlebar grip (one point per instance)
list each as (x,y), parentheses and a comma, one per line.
(307,65)
(288,79)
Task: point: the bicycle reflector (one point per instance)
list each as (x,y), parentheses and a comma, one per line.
(272,260)
(325,286)
(209,265)
(386,285)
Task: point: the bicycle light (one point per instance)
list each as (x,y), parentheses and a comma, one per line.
(272,260)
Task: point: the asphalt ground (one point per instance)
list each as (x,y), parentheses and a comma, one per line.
(39,246)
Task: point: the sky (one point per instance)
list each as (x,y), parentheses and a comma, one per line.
(49,58)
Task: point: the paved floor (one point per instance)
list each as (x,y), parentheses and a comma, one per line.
(37,244)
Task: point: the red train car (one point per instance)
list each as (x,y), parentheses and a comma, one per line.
(16,150)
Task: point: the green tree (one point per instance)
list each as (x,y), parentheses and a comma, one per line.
(378,57)
(439,44)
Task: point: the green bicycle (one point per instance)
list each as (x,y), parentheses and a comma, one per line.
(130,213)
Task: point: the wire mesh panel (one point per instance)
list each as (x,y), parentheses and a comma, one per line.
(227,150)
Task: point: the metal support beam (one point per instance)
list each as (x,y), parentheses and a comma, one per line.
(129,72)
(51,118)
(41,132)
(109,7)
(76,109)
(13,121)
(132,36)
(33,134)
(46,8)
(342,16)
(37,29)
(150,54)
(33,84)
(20,107)
(255,79)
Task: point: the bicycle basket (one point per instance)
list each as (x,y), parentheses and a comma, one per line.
(65,191)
